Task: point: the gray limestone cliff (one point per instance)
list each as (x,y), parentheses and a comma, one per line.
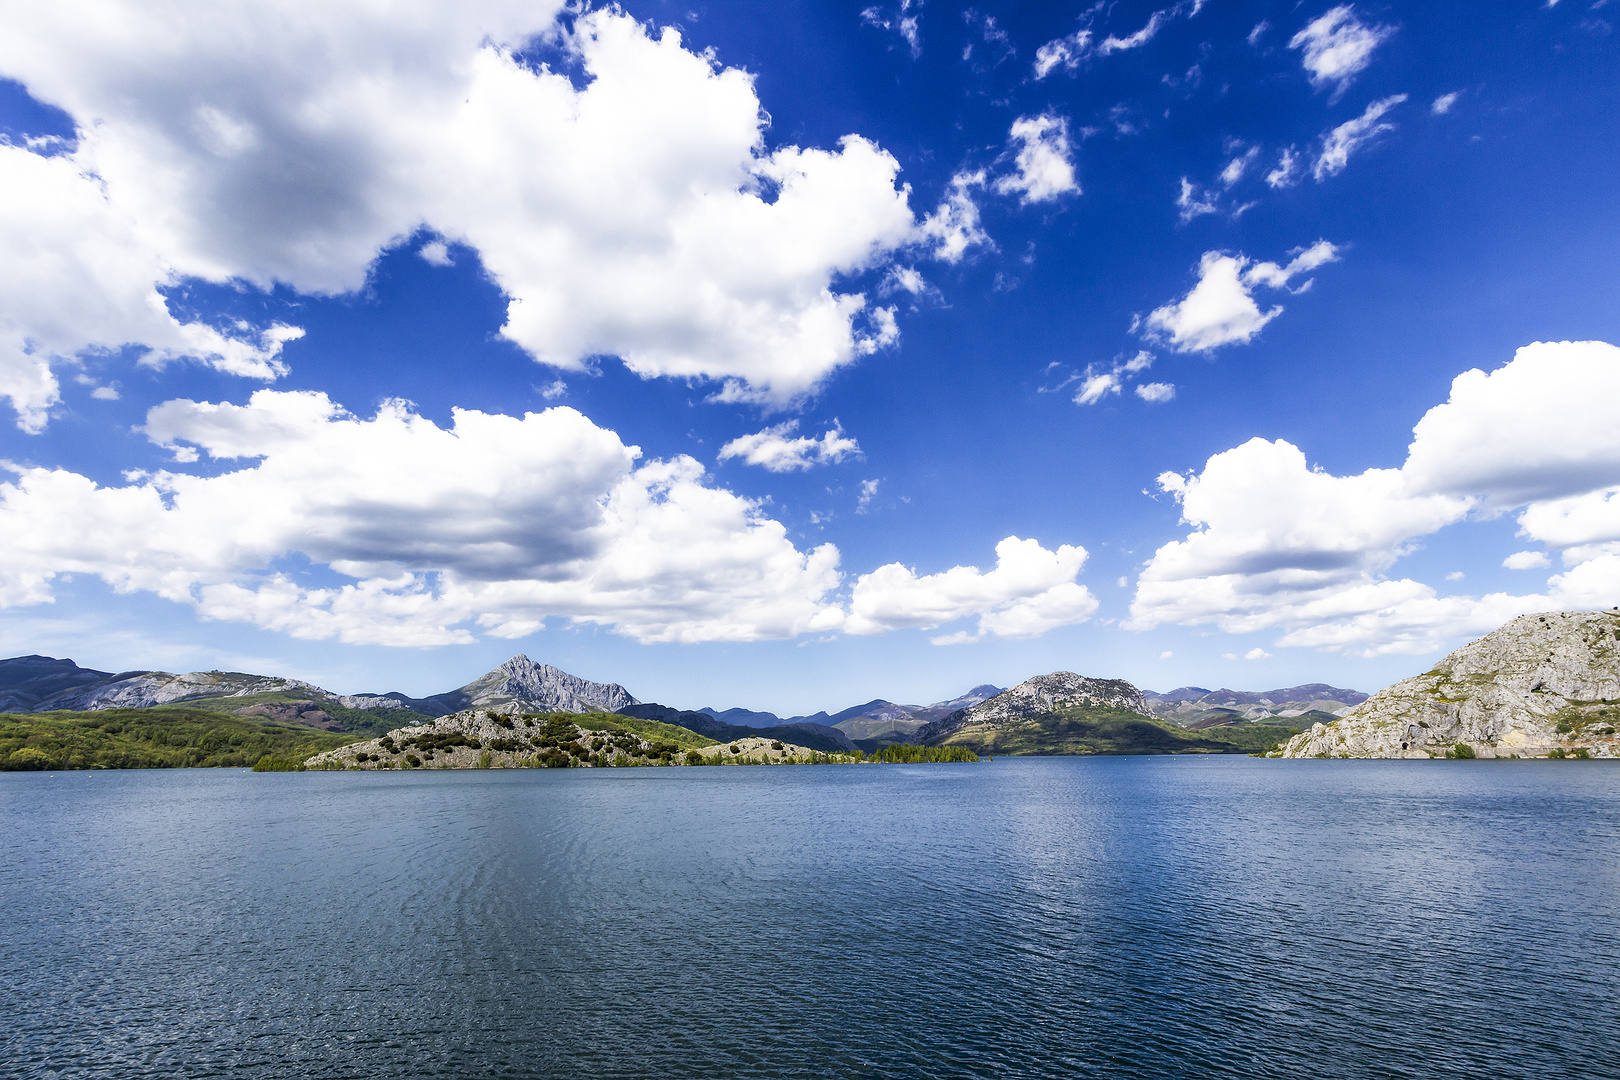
(142,689)
(1541,686)
(521,685)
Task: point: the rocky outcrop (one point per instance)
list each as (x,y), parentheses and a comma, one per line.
(1037,697)
(1543,685)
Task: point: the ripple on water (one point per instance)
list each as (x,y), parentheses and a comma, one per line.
(1108,917)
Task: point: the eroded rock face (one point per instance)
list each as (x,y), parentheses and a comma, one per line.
(1542,685)
(521,685)
(142,689)
(1038,696)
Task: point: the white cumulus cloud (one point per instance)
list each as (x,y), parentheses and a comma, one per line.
(1220,309)
(79,275)
(637,214)
(1278,544)
(1043,160)
(1337,46)
(1030,591)
(779,450)
(422,535)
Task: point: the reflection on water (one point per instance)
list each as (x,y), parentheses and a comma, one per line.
(1109,917)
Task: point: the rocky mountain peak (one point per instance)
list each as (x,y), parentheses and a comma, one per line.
(521,684)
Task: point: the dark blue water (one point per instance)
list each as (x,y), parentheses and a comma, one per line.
(1109,917)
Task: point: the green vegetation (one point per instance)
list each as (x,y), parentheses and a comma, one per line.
(1461,750)
(907,754)
(171,737)
(277,764)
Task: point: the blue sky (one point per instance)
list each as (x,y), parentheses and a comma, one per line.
(791,355)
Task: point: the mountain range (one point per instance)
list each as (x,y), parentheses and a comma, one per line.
(876,721)
(1197,708)
(34,684)
(1065,713)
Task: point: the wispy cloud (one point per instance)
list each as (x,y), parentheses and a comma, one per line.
(1351,136)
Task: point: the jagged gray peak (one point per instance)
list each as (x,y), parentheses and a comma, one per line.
(1542,684)
(1038,696)
(521,685)
(142,689)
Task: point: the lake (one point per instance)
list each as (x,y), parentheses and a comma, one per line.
(1056,917)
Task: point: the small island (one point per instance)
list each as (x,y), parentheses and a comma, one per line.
(489,739)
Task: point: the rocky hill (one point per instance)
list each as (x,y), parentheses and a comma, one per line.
(1038,696)
(488,739)
(1541,686)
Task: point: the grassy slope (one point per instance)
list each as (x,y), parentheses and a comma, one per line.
(1112,731)
(162,738)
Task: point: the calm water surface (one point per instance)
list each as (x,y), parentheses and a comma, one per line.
(1108,917)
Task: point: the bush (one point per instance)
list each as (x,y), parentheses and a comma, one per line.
(413,761)
(502,721)
(1461,750)
(29,757)
(692,757)
(777,745)
(735,749)
(277,764)
(1558,753)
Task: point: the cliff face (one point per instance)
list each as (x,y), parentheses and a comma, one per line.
(143,689)
(1542,685)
